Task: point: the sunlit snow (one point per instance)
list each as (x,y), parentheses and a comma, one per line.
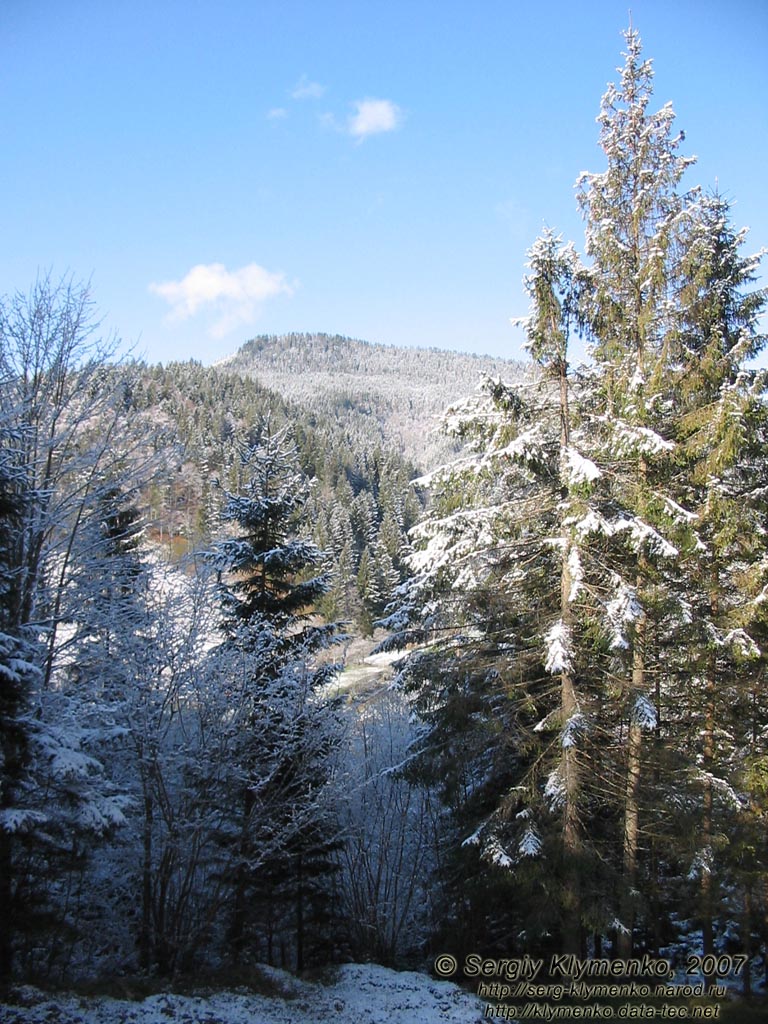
(580,469)
(530,844)
(558,644)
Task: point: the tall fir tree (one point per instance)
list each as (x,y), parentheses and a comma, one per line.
(511,596)
(636,484)
(720,432)
(269,587)
(633,212)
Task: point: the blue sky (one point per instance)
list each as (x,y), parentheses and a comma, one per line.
(224,169)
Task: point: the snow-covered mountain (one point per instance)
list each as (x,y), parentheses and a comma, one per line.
(398,392)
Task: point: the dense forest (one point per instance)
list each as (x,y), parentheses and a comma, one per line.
(571,756)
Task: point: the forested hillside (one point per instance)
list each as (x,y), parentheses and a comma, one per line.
(350,407)
(380,392)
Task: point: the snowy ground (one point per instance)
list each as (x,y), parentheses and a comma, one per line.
(374,671)
(361,994)
(364,672)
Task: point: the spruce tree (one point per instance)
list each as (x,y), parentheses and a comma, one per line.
(269,587)
(720,431)
(510,594)
(633,212)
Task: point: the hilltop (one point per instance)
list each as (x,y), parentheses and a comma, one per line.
(383,391)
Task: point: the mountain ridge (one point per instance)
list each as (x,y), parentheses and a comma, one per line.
(401,390)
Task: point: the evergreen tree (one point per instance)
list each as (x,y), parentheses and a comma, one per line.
(633,212)
(720,430)
(282,758)
(507,587)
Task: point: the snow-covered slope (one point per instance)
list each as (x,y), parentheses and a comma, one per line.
(361,994)
(398,392)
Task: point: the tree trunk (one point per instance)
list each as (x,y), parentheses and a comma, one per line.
(706,881)
(569,765)
(237,927)
(299,914)
(632,798)
(145,935)
(6,906)
(708,759)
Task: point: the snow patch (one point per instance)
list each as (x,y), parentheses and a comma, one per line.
(574,728)
(559,657)
(360,992)
(593,523)
(17,819)
(644,712)
(546,722)
(642,535)
(474,839)
(530,844)
(527,447)
(623,609)
(496,854)
(701,864)
(554,790)
(580,470)
(634,440)
(576,573)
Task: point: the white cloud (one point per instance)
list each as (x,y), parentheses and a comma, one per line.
(372,117)
(276,113)
(233,296)
(306,90)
